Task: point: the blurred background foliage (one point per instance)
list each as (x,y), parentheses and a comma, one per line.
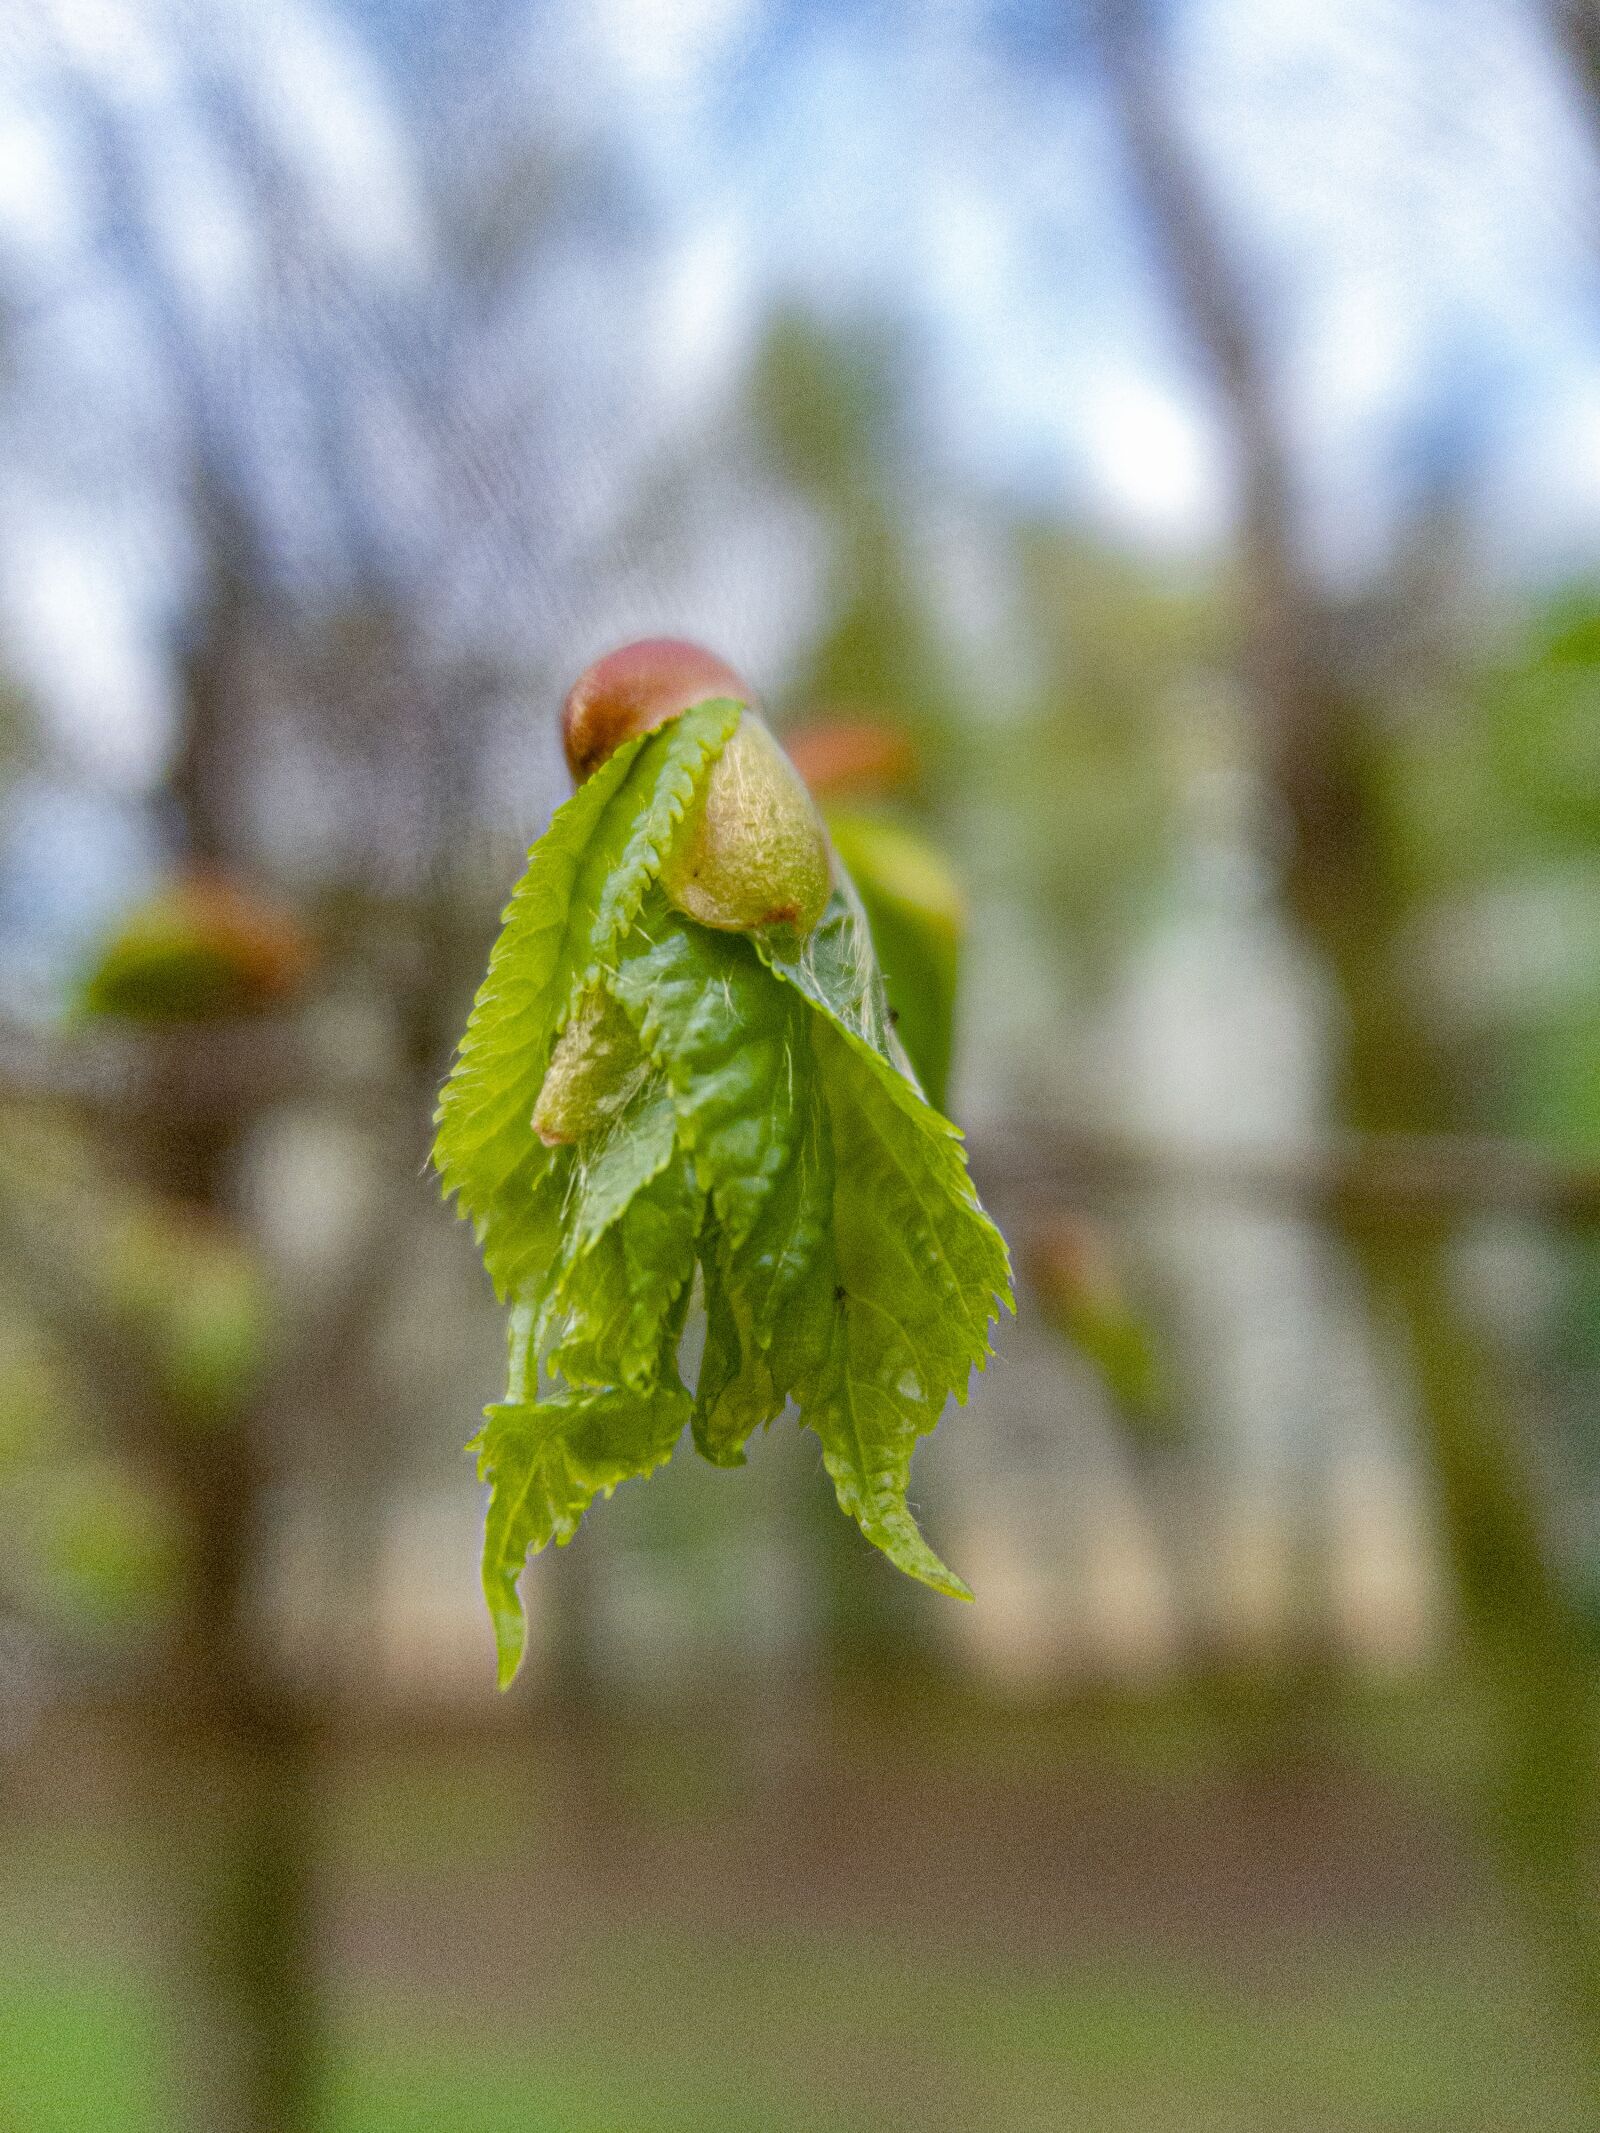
(1146,455)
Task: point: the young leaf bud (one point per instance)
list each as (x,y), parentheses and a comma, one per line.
(853,758)
(753,852)
(635,688)
(203,948)
(596,1066)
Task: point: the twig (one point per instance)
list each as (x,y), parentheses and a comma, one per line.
(1390,1176)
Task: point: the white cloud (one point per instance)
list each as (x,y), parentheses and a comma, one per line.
(116,45)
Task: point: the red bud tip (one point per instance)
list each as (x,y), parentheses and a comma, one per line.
(635,688)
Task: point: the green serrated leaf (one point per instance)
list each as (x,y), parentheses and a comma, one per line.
(546,1461)
(780,1141)
(611,1299)
(734,1394)
(633,1150)
(921,1268)
(837,971)
(732,1050)
(736,1052)
(920,1272)
(840,979)
(584,883)
(907,1221)
(857,1272)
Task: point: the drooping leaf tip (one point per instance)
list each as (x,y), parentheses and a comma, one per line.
(510,1644)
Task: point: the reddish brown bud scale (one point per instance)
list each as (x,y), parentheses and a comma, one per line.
(635,688)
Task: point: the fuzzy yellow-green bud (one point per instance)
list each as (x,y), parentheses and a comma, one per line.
(753,852)
(596,1066)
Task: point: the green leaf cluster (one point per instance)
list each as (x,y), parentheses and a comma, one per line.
(777,1142)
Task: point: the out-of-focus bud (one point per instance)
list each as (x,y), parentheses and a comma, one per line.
(918,918)
(201,949)
(848,758)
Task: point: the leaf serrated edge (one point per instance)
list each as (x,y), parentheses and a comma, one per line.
(515,1019)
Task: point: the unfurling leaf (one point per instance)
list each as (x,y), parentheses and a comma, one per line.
(731,1098)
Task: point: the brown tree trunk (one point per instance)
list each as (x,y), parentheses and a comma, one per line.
(232,1764)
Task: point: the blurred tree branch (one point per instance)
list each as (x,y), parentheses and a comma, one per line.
(1577,28)
(1398,1176)
(223,1071)
(118,1080)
